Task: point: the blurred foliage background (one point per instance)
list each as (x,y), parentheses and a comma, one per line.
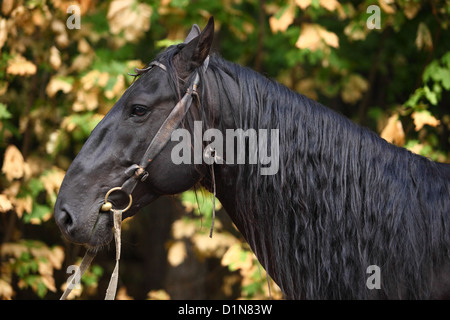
(386,67)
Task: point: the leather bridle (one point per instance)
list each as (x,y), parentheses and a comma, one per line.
(137,172)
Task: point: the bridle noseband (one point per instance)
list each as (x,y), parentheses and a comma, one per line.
(137,172)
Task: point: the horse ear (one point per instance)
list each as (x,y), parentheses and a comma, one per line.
(197,49)
(195,32)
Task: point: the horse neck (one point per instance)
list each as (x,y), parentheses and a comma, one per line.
(337,182)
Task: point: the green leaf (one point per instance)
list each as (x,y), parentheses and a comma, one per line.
(411,144)
(41,289)
(35,186)
(446,59)
(430,71)
(38,213)
(182,4)
(444,77)
(200,201)
(431,95)
(161,44)
(252,289)
(97,270)
(92,276)
(315,4)
(4,113)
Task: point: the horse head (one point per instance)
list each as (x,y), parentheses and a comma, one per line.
(116,153)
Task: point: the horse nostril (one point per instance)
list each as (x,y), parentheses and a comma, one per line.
(66,218)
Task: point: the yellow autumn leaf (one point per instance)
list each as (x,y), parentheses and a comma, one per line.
(84,46)
(303,4)
(354,31)
(23,205)
(236,259)
(177,253)
(129,16)
(314,37)
(52,180)
(182,228)
(158,295)
(61,38)
(354,88)
(216,246)
(411,9)
(424,39)
(41,17)
(330,38)
(7,6)
(247,273)
(5,203)
(57,84)
(117,89)
(55,58)
(116,7)
(14,165)
(422,118)
(102,80)
(86,100)
(387,6)
(13,189)
(393,131)
(330,5)
(122,294)
(48,281)
(62,5)
(12,249)
(56,257)
(284,21)
(89,80)
(82,61)
(76,291)
(20,66)
(6,290)
(3,32)
(44,268)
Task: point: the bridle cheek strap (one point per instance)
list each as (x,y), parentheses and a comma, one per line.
(137,172)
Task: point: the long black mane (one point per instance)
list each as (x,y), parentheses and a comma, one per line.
(344,199)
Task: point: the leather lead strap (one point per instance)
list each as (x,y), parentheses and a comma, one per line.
(85,263)
(89,257)
(112,287)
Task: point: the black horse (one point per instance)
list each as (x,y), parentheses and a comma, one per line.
(343,205)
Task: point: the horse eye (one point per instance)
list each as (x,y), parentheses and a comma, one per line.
(139,110)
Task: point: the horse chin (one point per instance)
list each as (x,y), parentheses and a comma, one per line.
(101,233)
